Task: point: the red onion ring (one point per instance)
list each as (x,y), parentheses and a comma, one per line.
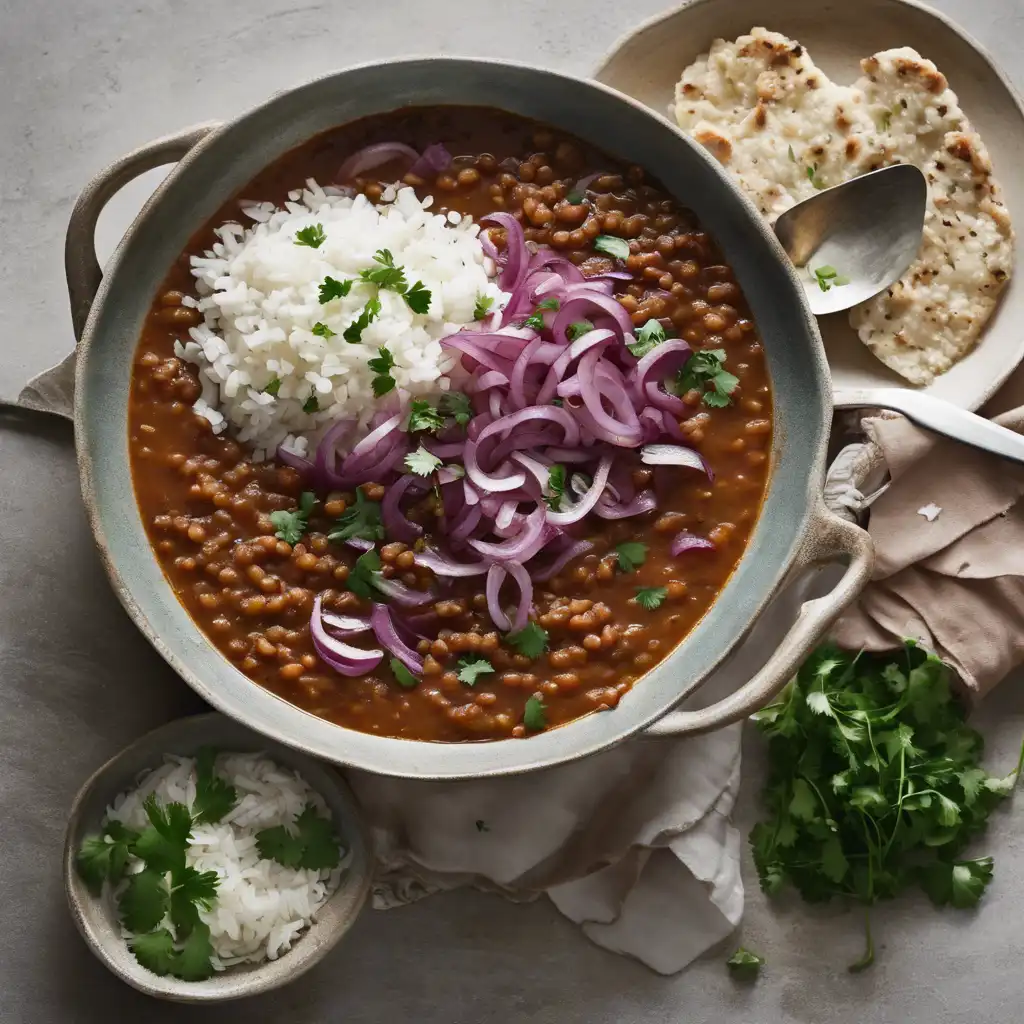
(387,637)
(374,156)
(342,657)
(689,542)
(434,160)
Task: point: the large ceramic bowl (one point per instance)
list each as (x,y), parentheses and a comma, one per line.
(215,162)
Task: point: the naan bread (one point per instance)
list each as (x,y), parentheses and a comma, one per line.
(785,130)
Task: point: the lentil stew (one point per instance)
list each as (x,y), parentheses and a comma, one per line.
(607,616)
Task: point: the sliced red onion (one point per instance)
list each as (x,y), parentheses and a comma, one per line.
(407,597)
(486,481)
(366,450)
(535,413)
(522,577)
(584,183)
(582,306)
(434,160)
(588,501)
(495,577)
(465,523)
(491,379)
(326,451)
(342,657)
(441,565)
(516,253)
(373,156)
(396,525)
(574,550)
(689,542)
(522,547)
(294,459)
(674,455)
(344,625)
(387,637)
(450,474)
(359,544)
(645,501)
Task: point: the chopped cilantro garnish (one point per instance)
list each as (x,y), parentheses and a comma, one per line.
(457,405)
(828,277)
(705,372)
(321,330)
(402,675)
(575,198)
(650,598)
(556,487)
(145,900)
(354,332)
(364,577)
(612,246)
(311,404)
(290,526)
(531,640)
(551,303)
(649,337)
(631,554)
(812,176)
(744,964)
(535,322)
(155,951)
(99,860)
(423,416)
(483,306)
(214,796)
(361,521)
(533,713)
(472,667)
(333,289)
(387,275)
(313,236)
(382,365)
(418,298)
(273,387)
(792,155)
(421,462)
(312,846)
(578,329)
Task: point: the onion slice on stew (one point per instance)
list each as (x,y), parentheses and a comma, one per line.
(373,156)
(342,657)
(387,636)
(685,541)
(673,455)
(440,565)
(344,625)
(434,160)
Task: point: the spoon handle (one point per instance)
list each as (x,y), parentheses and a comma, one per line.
(938,415)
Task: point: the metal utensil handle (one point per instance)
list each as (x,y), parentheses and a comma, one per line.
(940,416)
(81,266)
(828,539)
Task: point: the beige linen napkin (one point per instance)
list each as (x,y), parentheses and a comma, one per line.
(949,544)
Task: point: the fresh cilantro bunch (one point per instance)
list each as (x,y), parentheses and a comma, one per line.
(874,784)
(705,372)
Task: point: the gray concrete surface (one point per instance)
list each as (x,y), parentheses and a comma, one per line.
(82,81)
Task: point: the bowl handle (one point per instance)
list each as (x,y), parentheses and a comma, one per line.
(828,538)
(80,263)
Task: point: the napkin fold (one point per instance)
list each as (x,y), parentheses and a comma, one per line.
(949,551)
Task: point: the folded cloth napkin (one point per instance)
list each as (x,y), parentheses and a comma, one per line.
(949,550)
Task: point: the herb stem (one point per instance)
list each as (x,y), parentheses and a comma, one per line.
(867,958)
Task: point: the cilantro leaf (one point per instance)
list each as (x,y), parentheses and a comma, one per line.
(194,962)
(93,862)
(483,306)
(361,521)
(578,329)
(290,526)
(215,796)
(277,843)
(631,554)
(472,667)
(421,462)
(354,332)
(745,964)
(556,487)
(535,322)
(457,405)
(705,372)
(198,887)
(322,330)
(792,155)
(482,826)
(534,713)
(402,674)
(273,387)
(313,236)
(144,901)
(311,404)
(612,246)
(386,275)
(649,337)
(155,951)
(423,416)
(575,198)
(531,640)
(321,851)
(382,384)
(333,289)
(960,884)
(828,277)
(812,176)
(551,303)
(382,365)
(650,598)
(364,577)
(418,298)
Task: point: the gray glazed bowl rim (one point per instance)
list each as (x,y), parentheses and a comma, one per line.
(802,407)
(95,917)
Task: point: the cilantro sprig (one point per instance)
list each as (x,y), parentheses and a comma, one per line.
(313,236)
(873,785)
(535,714)
(482,309)
(364,577)
(612,246)
(705,372)
(649,337)
(650,598)
(423,416)
(392,278)
(382,365)
(556,488)
(291,525)
(471,667)
(630,555)
(457,405)
(312,845)
(828,277)
(744,964)
(531,640)
(333,289)
(421,462)
(353,334)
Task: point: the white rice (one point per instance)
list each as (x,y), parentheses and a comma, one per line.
(259,296)
(261,906)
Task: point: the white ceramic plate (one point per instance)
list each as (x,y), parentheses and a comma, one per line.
(647,63)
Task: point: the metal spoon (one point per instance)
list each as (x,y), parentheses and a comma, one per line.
(854,240)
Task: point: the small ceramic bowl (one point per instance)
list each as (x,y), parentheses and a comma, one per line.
(96,918)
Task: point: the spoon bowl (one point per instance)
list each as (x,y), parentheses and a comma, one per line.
(853,240)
